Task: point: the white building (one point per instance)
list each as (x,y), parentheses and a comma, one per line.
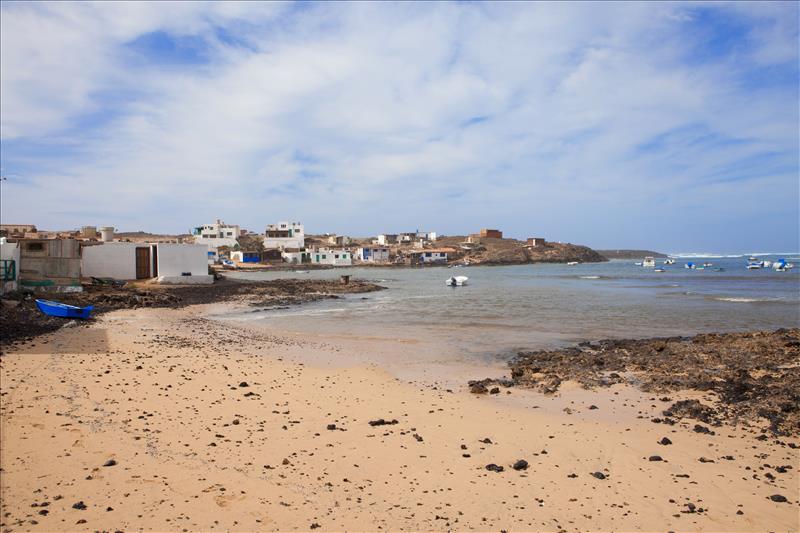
(217,234)
(169,263)
(339,240)
(296,256)
(373,254)
(438,255)
(9,265)
(326,256)
(284,235)
(386,239)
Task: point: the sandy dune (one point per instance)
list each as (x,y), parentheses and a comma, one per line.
(205,426)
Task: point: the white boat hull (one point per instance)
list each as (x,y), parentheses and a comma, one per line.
(456,281)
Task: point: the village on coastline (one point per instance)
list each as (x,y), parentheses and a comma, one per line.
(59,261)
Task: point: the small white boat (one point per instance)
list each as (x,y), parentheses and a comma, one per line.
(456,281)
(649,262)
(572,263)
(708,264)
(753,266)
(669,261)
(689,265)
(660,270)
(637,264)
(766,264)
(301,271)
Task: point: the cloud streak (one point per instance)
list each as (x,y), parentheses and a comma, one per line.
(614,124)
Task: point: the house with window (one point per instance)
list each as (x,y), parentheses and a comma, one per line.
(284,235)
(335,257)
(386,239)
(373,254)
(295,256)
(535,242)
(429,256)
(339,240)
(217,234)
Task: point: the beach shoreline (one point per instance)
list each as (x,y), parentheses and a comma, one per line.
(214,426)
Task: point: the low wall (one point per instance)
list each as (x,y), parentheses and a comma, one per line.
(111,260)
(174,260)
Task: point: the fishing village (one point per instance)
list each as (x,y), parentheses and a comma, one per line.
(281,266)
(113,328)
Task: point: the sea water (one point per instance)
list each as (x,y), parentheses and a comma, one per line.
(504,309)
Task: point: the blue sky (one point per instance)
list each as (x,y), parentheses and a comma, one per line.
(671,126)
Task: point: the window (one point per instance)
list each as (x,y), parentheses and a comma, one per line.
(336,256)
(324,256)
(35,246)
(427,254)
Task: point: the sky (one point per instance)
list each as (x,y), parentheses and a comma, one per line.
(667,126)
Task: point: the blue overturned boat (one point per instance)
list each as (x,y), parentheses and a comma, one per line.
(51,308)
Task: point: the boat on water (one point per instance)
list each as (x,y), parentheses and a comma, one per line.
(456,281)
(753,266)
(689,265)
(660,270)
(51,308)
(572,263)
(301,271)
(637,264)
(708,264)
(649,262)
(669,261)
(752,258)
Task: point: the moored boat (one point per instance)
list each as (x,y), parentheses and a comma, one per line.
(456,281)
(649,262)
(59,309)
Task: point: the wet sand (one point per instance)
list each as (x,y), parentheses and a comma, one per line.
(209,426)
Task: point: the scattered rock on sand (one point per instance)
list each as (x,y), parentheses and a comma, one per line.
(79,506)
(494,468)
(778,498)
(655,458)
(665,441)
(382,422)
(599,475)
(522,464)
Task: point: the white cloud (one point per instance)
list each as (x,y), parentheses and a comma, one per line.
(360,116)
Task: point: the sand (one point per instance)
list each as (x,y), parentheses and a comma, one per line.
(213,427)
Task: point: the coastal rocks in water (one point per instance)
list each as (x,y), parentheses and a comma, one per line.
(754,375)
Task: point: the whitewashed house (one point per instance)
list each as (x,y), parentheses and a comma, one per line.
(386,239)
(217,234)
(339,240)
(335,257)
(296,257)
(167,262)
(284,235)
(373,254)
(431,255)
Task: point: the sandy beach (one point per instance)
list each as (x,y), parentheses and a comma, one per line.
(160,419)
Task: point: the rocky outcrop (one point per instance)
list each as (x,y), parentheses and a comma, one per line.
(513,252)
(753,376)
